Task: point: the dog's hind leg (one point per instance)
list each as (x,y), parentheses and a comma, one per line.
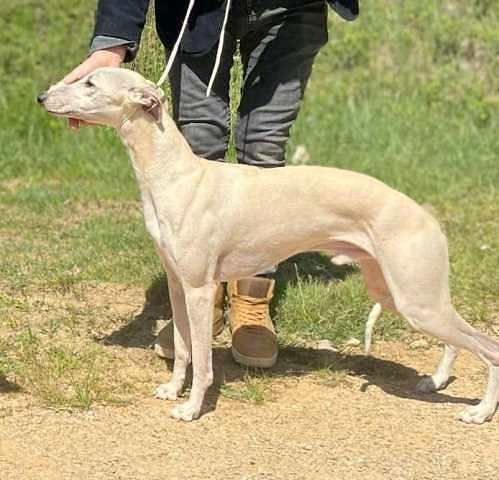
(440,378)
(421,294)
(181,340)
(199,302)
(487,348)
(453,330)
(487,407)
(371,321)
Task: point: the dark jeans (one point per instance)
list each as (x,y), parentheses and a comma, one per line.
(278,42)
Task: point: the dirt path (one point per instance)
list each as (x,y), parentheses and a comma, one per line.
(369,424)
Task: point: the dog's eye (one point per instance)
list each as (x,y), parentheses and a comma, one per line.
(88,83)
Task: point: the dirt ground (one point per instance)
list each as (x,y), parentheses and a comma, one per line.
(368,424)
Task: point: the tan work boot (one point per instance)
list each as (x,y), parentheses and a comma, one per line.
(163,345)
(254,341)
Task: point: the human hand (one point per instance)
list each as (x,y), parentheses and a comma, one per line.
(110,57)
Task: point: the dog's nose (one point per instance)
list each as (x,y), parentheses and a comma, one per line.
(41,98)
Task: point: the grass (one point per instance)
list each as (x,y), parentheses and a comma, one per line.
(409,93)
(255,387)
(59,375)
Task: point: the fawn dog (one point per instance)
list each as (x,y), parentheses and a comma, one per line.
(213,222)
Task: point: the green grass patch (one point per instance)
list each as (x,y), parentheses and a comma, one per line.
(336,310)
(61,375)
(255,387)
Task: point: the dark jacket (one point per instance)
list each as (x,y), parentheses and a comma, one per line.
(126,18)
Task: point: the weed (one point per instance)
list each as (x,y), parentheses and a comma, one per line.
(60,375)
(255,388)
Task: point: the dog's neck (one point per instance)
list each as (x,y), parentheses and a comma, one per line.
(157,150)
(167,171)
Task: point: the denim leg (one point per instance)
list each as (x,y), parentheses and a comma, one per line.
(277,54)
(204,121)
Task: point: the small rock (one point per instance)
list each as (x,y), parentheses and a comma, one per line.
(484,247)
(326,345)
(352,342)
(419,344)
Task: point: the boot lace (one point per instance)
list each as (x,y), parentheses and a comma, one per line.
(250,311)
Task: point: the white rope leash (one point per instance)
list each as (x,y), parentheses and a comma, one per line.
(219,50)
(174,51)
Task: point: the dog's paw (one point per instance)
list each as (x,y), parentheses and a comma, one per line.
(477,414)
(167,391)
(426,385)
(432,384)
(186,412)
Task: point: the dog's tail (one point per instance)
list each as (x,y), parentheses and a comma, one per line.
(371,321)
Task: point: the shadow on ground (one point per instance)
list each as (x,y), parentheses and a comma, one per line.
(392,377)
(139,332)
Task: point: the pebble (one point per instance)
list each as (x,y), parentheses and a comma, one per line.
(417,344)
(326,345)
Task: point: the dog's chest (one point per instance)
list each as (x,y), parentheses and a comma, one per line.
(156,229)
(151,221)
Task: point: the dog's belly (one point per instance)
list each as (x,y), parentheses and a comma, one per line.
(243,262)
(233,269)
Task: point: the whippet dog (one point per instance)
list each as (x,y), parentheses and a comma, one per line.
(212,222)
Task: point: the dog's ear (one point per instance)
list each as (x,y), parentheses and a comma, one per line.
(150,99)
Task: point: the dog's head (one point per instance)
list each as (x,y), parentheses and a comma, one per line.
(107,96)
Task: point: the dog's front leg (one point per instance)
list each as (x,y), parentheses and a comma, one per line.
(182,342)
(199,302)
